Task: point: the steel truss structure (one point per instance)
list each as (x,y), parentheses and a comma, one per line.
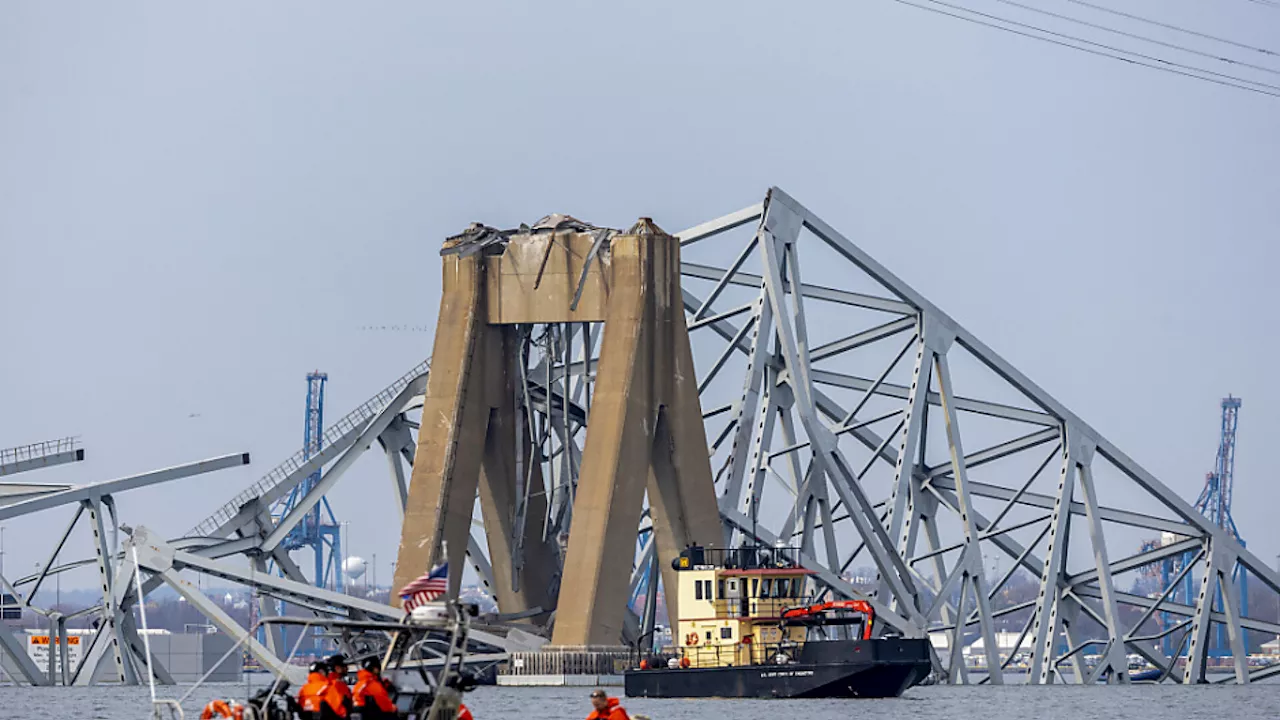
(968,500)
(243,530)
(818,395)
(117,637)
(844,413)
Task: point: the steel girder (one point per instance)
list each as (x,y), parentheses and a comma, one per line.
(248,530)
(811,413)
(33,457)
(1080,618)
(117,637)
(786,411)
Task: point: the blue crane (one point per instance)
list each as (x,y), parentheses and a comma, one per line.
(1215,504)
(319,530)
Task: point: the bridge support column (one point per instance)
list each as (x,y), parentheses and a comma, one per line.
(467,442)
(646,431)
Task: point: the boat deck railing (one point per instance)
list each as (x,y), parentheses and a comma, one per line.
(761,607)
(726,655)
(746,558)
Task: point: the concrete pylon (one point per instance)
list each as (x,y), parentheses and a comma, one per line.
(645,428)
(467,442)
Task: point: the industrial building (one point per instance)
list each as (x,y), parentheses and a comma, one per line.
(187,656)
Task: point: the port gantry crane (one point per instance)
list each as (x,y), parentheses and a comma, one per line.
(319,529)
(1214,503)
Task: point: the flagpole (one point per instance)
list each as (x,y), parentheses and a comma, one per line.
(444,560)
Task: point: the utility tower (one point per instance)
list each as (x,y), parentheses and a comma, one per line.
(319,530)
(1215,504)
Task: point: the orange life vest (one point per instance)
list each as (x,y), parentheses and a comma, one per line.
(311,696)
(338,696)
(370,690)
(613,711)
(339,683)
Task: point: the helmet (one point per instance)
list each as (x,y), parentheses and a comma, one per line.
(334,661)
(319,666)
(371,663)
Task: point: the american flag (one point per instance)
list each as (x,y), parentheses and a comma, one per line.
(426,588)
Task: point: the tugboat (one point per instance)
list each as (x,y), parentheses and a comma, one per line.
(747,630)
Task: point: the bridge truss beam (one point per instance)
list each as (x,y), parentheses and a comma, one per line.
(846,414)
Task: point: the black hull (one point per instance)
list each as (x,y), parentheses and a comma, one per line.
(848,669)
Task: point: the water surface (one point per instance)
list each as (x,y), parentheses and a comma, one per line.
(1014,702)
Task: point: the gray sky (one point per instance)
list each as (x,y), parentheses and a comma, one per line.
(199,204)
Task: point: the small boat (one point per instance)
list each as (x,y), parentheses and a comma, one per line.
(1153,675)
(746,629)
(423,657)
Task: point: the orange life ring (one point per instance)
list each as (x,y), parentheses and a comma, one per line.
(217,709)
(691,639)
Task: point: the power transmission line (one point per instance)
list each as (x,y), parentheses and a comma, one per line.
(1111,48)
(1107,51)
(1157,23)
(1142,38)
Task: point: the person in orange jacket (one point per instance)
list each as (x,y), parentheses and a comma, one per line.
(311,697)
(338,677)
(337,705)
(370,696)
(605,707)
(464,713)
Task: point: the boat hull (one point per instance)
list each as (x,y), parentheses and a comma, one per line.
(838,669)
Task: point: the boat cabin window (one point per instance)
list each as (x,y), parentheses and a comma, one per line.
(702,589)
(720,588)
(755,587)
(732,589)
(766,588)
(726,633)
(782,588)
(848,631)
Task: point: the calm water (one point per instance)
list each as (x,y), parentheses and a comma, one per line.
(931,703)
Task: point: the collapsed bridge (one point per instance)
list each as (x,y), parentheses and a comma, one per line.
(608,396)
